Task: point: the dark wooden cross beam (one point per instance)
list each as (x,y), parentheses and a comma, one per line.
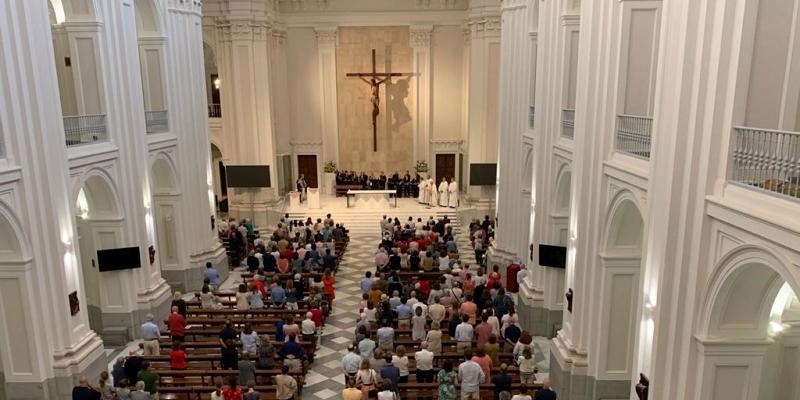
(375,80)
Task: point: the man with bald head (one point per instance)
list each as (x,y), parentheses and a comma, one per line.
(84,391)
(545,393)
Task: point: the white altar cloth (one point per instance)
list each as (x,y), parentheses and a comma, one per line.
(371,198)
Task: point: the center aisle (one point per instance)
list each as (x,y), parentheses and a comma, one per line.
(325,379)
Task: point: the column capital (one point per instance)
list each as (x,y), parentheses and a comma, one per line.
(420,35)
(327,36)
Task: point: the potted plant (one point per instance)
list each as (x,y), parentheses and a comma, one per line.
(330,169)
(422,168)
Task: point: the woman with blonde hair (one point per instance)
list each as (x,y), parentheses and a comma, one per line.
(400,360)
(367,381)
(434,339)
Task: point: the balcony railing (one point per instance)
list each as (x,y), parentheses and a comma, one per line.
(156,121)
(568,123)
(85,129)
(531,116)
(766,160)
(214,111)
(633,135)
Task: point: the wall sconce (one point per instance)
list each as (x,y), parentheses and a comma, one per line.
(217,83)
(569,296)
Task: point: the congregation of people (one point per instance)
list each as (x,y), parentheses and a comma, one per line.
(460,320)
(262,339)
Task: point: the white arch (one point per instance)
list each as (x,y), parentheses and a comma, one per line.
(73,10)
(563,188)
(15,245)
(624,224)
(101,194)
(741,291)
(148,22)
(527,172)
(162,174)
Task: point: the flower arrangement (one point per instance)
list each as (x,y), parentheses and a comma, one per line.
(330,167)
(422,166)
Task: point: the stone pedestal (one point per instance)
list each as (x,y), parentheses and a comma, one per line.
(294,199)
(313,198)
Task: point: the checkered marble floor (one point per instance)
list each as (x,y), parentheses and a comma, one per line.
(325,380)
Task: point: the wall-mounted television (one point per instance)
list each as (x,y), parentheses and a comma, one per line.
(118,259)
(482,174)
(552,256)
(247,176)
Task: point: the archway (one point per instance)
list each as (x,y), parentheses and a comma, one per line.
(218,178)
(212,81)
(166,198)
(749,335)
(10,310)
(152,49)
(621,258)
(98,221)
(558,234)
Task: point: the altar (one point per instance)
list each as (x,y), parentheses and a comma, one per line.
(371,198)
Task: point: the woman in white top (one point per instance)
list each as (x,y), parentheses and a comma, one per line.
(249,339)
(386,392)
(217,394)
(366,378)
(207,299)
(400,360)
(242,298)
(493,321)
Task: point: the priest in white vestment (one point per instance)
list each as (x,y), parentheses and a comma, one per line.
(433,195)
(423,191)
(453,194)
(443,193)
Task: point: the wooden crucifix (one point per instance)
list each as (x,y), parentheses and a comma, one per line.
(375,80)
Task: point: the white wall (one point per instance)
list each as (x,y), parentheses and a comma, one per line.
(447,48)
(304,87)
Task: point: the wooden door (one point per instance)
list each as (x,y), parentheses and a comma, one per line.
(307,165)
(445,167)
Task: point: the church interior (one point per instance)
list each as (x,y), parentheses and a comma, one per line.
(399,199)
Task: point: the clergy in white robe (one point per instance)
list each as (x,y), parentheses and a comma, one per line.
(433,194)
(453,194)
(443,193)
(423,191)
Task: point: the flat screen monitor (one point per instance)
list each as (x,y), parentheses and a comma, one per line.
(118,259)
(482,174)
(552,256)
(248,176)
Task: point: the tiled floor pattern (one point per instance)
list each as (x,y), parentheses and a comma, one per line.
(325,380)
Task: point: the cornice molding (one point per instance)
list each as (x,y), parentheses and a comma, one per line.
(327,36)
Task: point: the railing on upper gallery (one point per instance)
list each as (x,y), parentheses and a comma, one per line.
(568,123)
(214,111)
(85,129)
(156,121)
(531,116)
(766,159)
(633,135)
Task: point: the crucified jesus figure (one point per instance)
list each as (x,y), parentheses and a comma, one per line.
(375,83)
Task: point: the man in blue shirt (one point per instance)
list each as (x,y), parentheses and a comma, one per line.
(366,282)
(391,373)
(292,353)
(403,315)
(278,295)
(212,275)
(150,335)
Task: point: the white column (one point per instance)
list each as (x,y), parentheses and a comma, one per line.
(420,41)
(327,40)
(187,104)
(513,202)
(246,102)
(122,84)
(39,338)
(483,26)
